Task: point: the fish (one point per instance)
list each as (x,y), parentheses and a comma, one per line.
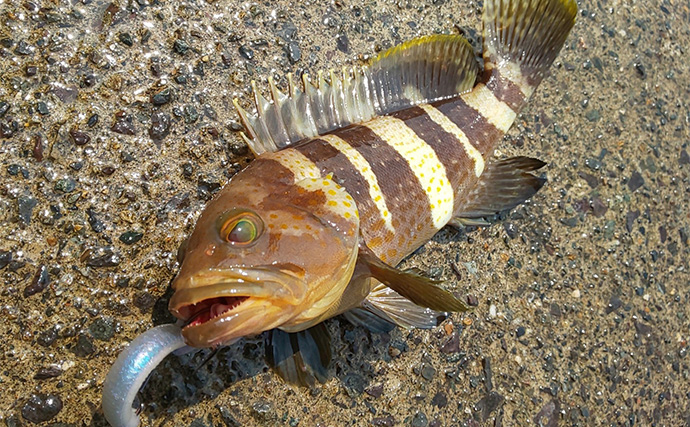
(353,172)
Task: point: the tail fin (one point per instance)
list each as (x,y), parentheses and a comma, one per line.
(523,37)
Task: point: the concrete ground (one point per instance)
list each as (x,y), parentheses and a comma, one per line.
(116,126)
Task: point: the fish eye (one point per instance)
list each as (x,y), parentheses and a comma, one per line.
(240,227)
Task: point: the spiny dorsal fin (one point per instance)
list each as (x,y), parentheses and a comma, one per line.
(422,70)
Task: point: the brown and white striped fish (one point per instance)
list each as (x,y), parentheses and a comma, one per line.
(353,174)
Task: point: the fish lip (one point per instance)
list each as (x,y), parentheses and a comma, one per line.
(283,283)
(255,316)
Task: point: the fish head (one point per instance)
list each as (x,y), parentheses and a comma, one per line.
(265,254)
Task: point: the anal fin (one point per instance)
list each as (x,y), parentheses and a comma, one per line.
(401,310)
(300,358)
(504,185)
(372,320)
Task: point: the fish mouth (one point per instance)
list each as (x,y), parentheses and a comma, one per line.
(221,305)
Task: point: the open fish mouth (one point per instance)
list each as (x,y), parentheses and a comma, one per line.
(211,308)
(218,305)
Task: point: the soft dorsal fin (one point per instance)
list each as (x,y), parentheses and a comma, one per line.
(422,70)
(503,185)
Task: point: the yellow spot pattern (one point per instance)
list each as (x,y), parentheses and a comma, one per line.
(298,163)
(440,119)
(362,166)
(422,160)
(339,201)
(497,112)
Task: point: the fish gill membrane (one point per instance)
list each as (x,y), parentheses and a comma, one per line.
(132,367)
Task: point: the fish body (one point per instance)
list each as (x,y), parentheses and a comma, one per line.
(355,173)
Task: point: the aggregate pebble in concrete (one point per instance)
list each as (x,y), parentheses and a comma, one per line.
(116,126)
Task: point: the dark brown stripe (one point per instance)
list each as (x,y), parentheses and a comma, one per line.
(480,132)
(448,149)
(406,199)
(267,169)
(330,160)
(504,89)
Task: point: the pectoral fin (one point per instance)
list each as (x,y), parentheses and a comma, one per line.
(302,357)
(413,286)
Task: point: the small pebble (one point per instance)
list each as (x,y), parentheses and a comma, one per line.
(93,121)
(342,43)
(51,371)
(96,224)
(592,115)
(102,257)
(440,400)
(126,39)
(131,237)
(375,390)
(144,301)
(102,328)
(162,97)
(428,372)
(190,114)
(41,408)
(89,80)
(384,421)
(26,205)
(549,414)
(84,346)
(246,52)
(39,282)
(65,185)
(293,51)
(5,258)
(636,181)
(4,108)
(123,124)
(684,158)
(160,125)
(263,410)
(180,46)
(487,405)
(47,337)
(420,420)
(23,48)
(42,108)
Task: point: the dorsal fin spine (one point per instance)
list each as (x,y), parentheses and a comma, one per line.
(422,70)
(279,125)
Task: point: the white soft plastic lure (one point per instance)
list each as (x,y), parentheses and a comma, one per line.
(130,370)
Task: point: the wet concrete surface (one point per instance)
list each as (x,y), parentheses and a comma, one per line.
(116,127)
